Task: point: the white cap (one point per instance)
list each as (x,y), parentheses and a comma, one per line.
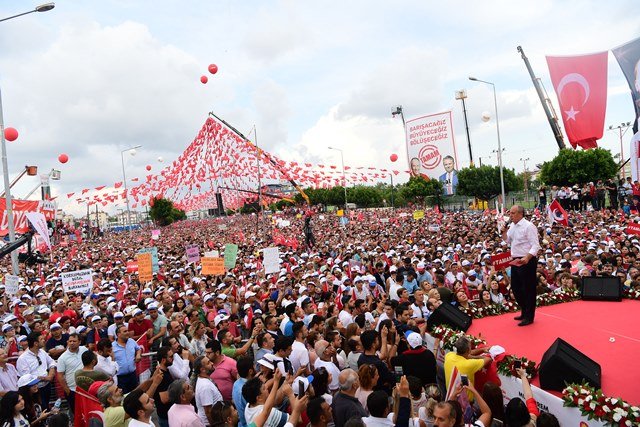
(136,311)
(27,380)
(55,326)
(118,315)
(414,339)
(249,294)
(220,318)
(95,318)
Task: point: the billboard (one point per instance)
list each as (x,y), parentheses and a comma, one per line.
(431,149)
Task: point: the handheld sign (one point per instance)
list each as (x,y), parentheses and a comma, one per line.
(271,260)
(11,284)
(77,281)
(154,257)
(418,215)
(212,266)
(502,260)
(145,267)
(633,228)
(230,255)
(193,253)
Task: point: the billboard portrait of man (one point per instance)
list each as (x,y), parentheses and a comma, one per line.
(449,178)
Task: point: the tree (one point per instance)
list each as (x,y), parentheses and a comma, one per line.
(484,182)
(571,167)
(164,213)
(422,190)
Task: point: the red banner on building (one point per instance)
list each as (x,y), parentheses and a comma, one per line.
(502,260)
(20,209)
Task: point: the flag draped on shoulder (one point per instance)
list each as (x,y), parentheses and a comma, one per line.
(580,83)
(558,214)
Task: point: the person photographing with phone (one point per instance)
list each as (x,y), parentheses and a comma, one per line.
(522,236)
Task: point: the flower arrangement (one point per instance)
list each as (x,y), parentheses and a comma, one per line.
(448,337)
(632,293)
(507,368)
(480,311)
(596,406)
(566,295)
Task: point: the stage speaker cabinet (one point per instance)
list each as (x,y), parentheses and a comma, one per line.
(563,364)
(601,288)
(449,315)
(220,203)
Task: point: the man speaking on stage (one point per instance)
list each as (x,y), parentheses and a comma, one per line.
(522,236)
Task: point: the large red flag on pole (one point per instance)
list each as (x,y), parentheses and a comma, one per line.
(581,86)
(557,213)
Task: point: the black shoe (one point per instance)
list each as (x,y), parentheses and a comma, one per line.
(525,322)
(518,317)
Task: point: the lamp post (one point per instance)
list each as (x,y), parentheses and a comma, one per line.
(344,177)
(462,95)
(124,179)
(5,169)
(526,177)
(495,105)
(622,129)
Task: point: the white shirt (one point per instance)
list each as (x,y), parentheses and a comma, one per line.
(332,369)
(523,238)
(299,355)
(363,294)
(111,330)
(207,394)
(345,317)
(393,290)
(179,369)
(136,423)
(28,364)
(421,312)
(69,363)
(108,366)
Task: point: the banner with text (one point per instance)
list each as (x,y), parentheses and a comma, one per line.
(501,261)
(145,267)
(193,253)
(154,257)
(11,284)
(77,281)
(20,209)
(633,228)
(230,255)
(431,149)
(212,266)
(39,223)
(271,260)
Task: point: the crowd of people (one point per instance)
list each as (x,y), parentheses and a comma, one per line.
(337,336)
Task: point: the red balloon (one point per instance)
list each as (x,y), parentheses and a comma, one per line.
(213,68)
(394,157)
(204,79)
(148,167)
(152,201)
(10,134)
(63,158)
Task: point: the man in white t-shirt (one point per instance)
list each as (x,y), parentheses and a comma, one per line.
(345,314)
(299,354)
(139,406)
(207,394)
(326,359)
(256,393)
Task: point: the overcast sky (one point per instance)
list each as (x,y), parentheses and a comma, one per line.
(91,78)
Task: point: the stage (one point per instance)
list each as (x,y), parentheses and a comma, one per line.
(589,326)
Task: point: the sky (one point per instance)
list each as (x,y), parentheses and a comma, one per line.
(92,78)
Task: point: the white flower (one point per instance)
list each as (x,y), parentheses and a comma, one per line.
(592,405)
(580,402)
(617,417)
(583,391)
(588,398)
(614,401)
(605,408)
(628,423)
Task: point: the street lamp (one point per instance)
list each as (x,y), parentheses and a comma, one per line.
(620,128)
(42,8)
(495,105)
(133,152)
(5,168)
(344,178)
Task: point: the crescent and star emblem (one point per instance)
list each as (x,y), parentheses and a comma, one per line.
(574,78)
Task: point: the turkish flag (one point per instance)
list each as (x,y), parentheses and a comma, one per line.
(557,213)
(581,86)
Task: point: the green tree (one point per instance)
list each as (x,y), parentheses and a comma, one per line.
(364,196)
(422,191)
(164,213)
(484,182)
(571,167)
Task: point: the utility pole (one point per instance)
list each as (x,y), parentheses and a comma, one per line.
(526,177)
(462,95)
(622,129)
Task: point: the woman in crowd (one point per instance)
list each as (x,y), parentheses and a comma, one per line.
(30,395)
(11,410)
(200,339)
(368,375)
(485,299)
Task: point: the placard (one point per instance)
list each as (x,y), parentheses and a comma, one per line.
(502,260)
(340,212)
(11,284)
(155,234)
(212,266)
(154,257)
(222,227)
(132,266)
(633,228)
(77,281)
(418,215)
(271,260)
(193,253)
(145,267)
(230,255)
(212,254)
(434,228)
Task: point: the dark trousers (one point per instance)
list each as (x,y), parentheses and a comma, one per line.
(128,382)
(523,284)
(45,396)
(71,400)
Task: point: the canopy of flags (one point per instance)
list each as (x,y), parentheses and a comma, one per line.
(218,159)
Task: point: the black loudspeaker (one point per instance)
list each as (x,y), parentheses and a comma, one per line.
(563,364)
(220,204)
(449,315)
(601,288)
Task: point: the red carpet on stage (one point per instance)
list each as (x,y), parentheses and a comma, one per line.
(586,325)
